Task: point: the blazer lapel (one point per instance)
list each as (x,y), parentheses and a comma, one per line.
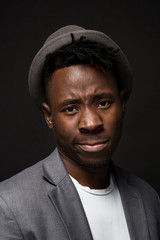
(65,198)
(133,206)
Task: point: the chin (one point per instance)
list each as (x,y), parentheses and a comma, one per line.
(94,163)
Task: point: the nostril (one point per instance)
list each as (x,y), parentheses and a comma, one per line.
(91,129)
(100,126)
(83,130)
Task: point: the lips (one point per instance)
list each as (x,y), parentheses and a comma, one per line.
(93,147)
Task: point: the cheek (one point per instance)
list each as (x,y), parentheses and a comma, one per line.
(64,128)
(113,122)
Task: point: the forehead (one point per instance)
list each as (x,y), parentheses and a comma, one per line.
(81,80)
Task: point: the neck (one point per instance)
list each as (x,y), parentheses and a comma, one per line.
(94,178)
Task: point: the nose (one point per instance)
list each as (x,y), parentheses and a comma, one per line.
(90,121)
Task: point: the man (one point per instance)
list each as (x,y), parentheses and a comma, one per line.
(81,80)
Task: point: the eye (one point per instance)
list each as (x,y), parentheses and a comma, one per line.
(103,104)
(70,109)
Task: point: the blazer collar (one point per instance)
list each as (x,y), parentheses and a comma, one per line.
(65,198)
(53,168)
(132,203)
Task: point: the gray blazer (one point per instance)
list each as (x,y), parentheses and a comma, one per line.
(41,203)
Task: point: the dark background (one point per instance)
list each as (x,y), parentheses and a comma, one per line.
(134,25)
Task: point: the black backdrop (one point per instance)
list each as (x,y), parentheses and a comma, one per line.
(134,25)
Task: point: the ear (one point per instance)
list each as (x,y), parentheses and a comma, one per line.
(123,100)
(47,114)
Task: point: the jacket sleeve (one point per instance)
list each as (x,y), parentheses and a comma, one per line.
(9,228)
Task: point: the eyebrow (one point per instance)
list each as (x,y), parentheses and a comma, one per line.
(103,95)
(69,101)
(94,98)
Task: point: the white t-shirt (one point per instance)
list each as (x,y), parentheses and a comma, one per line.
(104,211)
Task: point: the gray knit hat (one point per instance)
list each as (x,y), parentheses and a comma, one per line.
(63,37)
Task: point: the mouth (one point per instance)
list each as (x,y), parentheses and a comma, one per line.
(94,147)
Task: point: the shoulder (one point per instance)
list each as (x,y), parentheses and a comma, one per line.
(22,183)
(18,197)
(27,179)
(136,184)
(31,184)
(25,183)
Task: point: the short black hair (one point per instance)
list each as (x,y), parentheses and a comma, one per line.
(81,51)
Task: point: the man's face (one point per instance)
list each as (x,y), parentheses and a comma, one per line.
(85,112)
